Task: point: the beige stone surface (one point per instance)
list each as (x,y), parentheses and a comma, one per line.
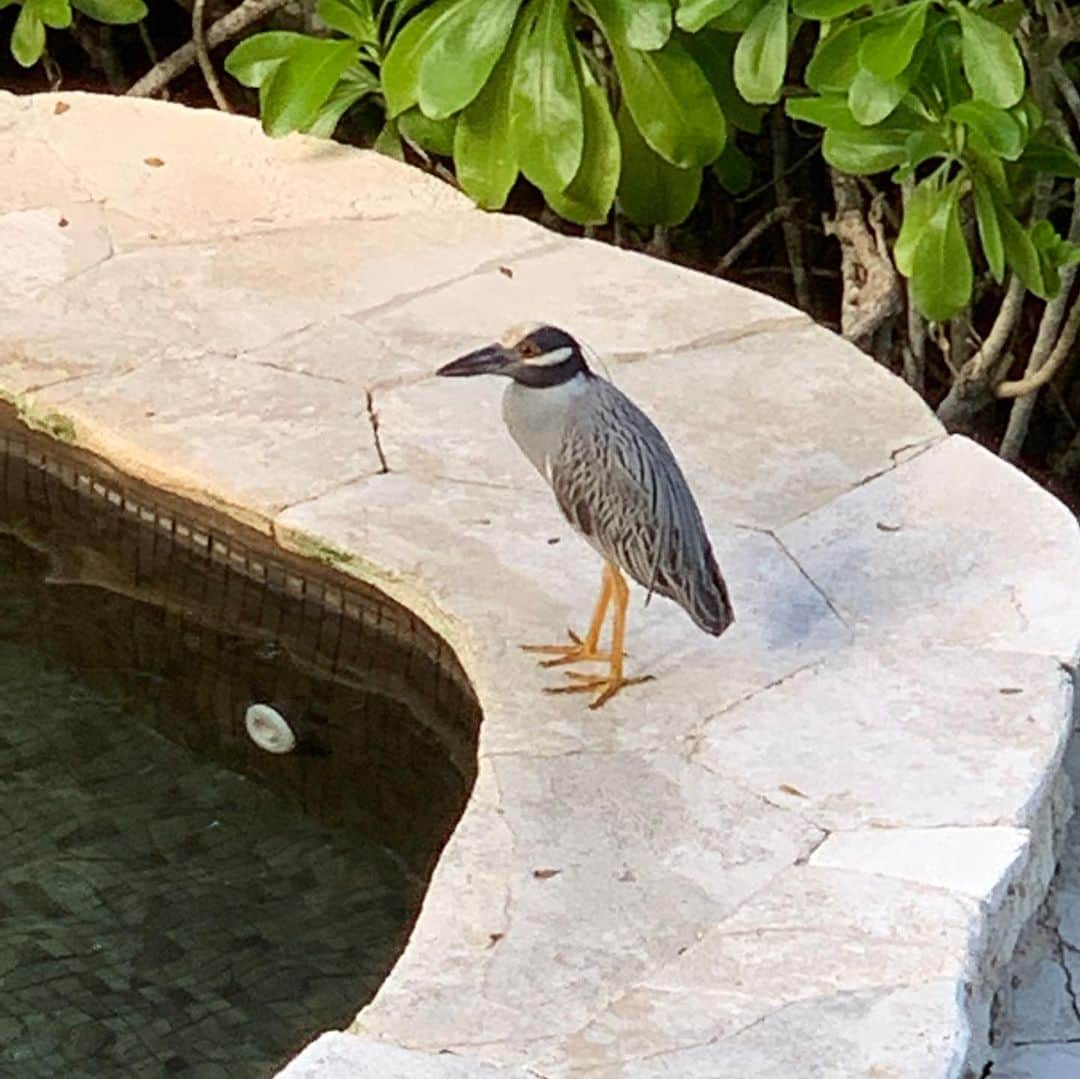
(963,733)
(619,303)
(785,856)
(804,446)
(280,437)
(924,554)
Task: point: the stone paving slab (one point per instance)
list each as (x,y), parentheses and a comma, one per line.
(806,848)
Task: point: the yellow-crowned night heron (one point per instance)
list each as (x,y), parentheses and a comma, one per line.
(617,483)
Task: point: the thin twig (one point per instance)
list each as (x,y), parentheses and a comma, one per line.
(971,389)
(915,347)
(793,240)
(739,248)
(198,39)
(224,29)
(1061,352)
(1043,349)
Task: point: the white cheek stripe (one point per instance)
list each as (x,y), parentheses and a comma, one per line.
(549,359)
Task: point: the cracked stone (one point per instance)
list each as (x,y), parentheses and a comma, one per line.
(811,934)
(697,846)
(949,573)
(1038,1062)
(261,439)
(50,245)
(862,1033)
(452,550)
(761,443)
(970,861)
(616,301)
(902,765)
(344,1056)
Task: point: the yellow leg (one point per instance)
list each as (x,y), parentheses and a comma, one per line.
(581,650)
(609,686)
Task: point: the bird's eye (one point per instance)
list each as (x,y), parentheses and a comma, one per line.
(528,350)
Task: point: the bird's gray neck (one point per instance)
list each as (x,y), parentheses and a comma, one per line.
(536,417)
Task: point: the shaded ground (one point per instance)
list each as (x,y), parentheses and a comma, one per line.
(1039,1029)
(158,913)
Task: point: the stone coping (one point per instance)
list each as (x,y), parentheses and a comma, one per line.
(806,848)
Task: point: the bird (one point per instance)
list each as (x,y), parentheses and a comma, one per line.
(617,483)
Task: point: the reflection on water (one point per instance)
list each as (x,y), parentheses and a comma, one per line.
(172,899)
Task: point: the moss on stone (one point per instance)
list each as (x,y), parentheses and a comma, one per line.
(54,424)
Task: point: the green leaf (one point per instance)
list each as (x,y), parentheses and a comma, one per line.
(256,58)
(733,169)
(388,141)
(992,61)
(872,100)
(873,149)
(28,37)
(919,208)
(357,82)
(645,24)
(921,146)
(1044,154)
(353,18)
(1020,251)
(651,190)
(1000,130)
(738,17)
(588,199)
(889,47)
(400,72)
(761,55)
(113,12)
(828,110)
(825,10)
(942,72)
(941,274)
(300,86)
(669,97)
(692,15)
(459,62)
(433,136)
(1008,15)
(485,156)
(714,53)
(53,13)
(835,62)
(546,111)
(986,216)
(1053,252)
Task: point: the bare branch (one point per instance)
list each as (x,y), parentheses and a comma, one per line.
(739,248)
(1061,352)
(224,29)
(971,389)
(1043,349)
(871,292)
(202,54)
(793,240)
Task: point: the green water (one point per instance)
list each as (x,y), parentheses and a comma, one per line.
(160,914)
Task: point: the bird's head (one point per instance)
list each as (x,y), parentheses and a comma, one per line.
(532,355)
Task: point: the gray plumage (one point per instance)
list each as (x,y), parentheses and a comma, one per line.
(613,474)
(618,484)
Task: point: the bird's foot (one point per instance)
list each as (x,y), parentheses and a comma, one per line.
(607,686)
(578,651)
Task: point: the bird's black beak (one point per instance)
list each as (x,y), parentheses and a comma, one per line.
(489,360)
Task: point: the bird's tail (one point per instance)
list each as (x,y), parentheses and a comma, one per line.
(711,607)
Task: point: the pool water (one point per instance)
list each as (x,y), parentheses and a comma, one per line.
(174,900)
(161,914)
